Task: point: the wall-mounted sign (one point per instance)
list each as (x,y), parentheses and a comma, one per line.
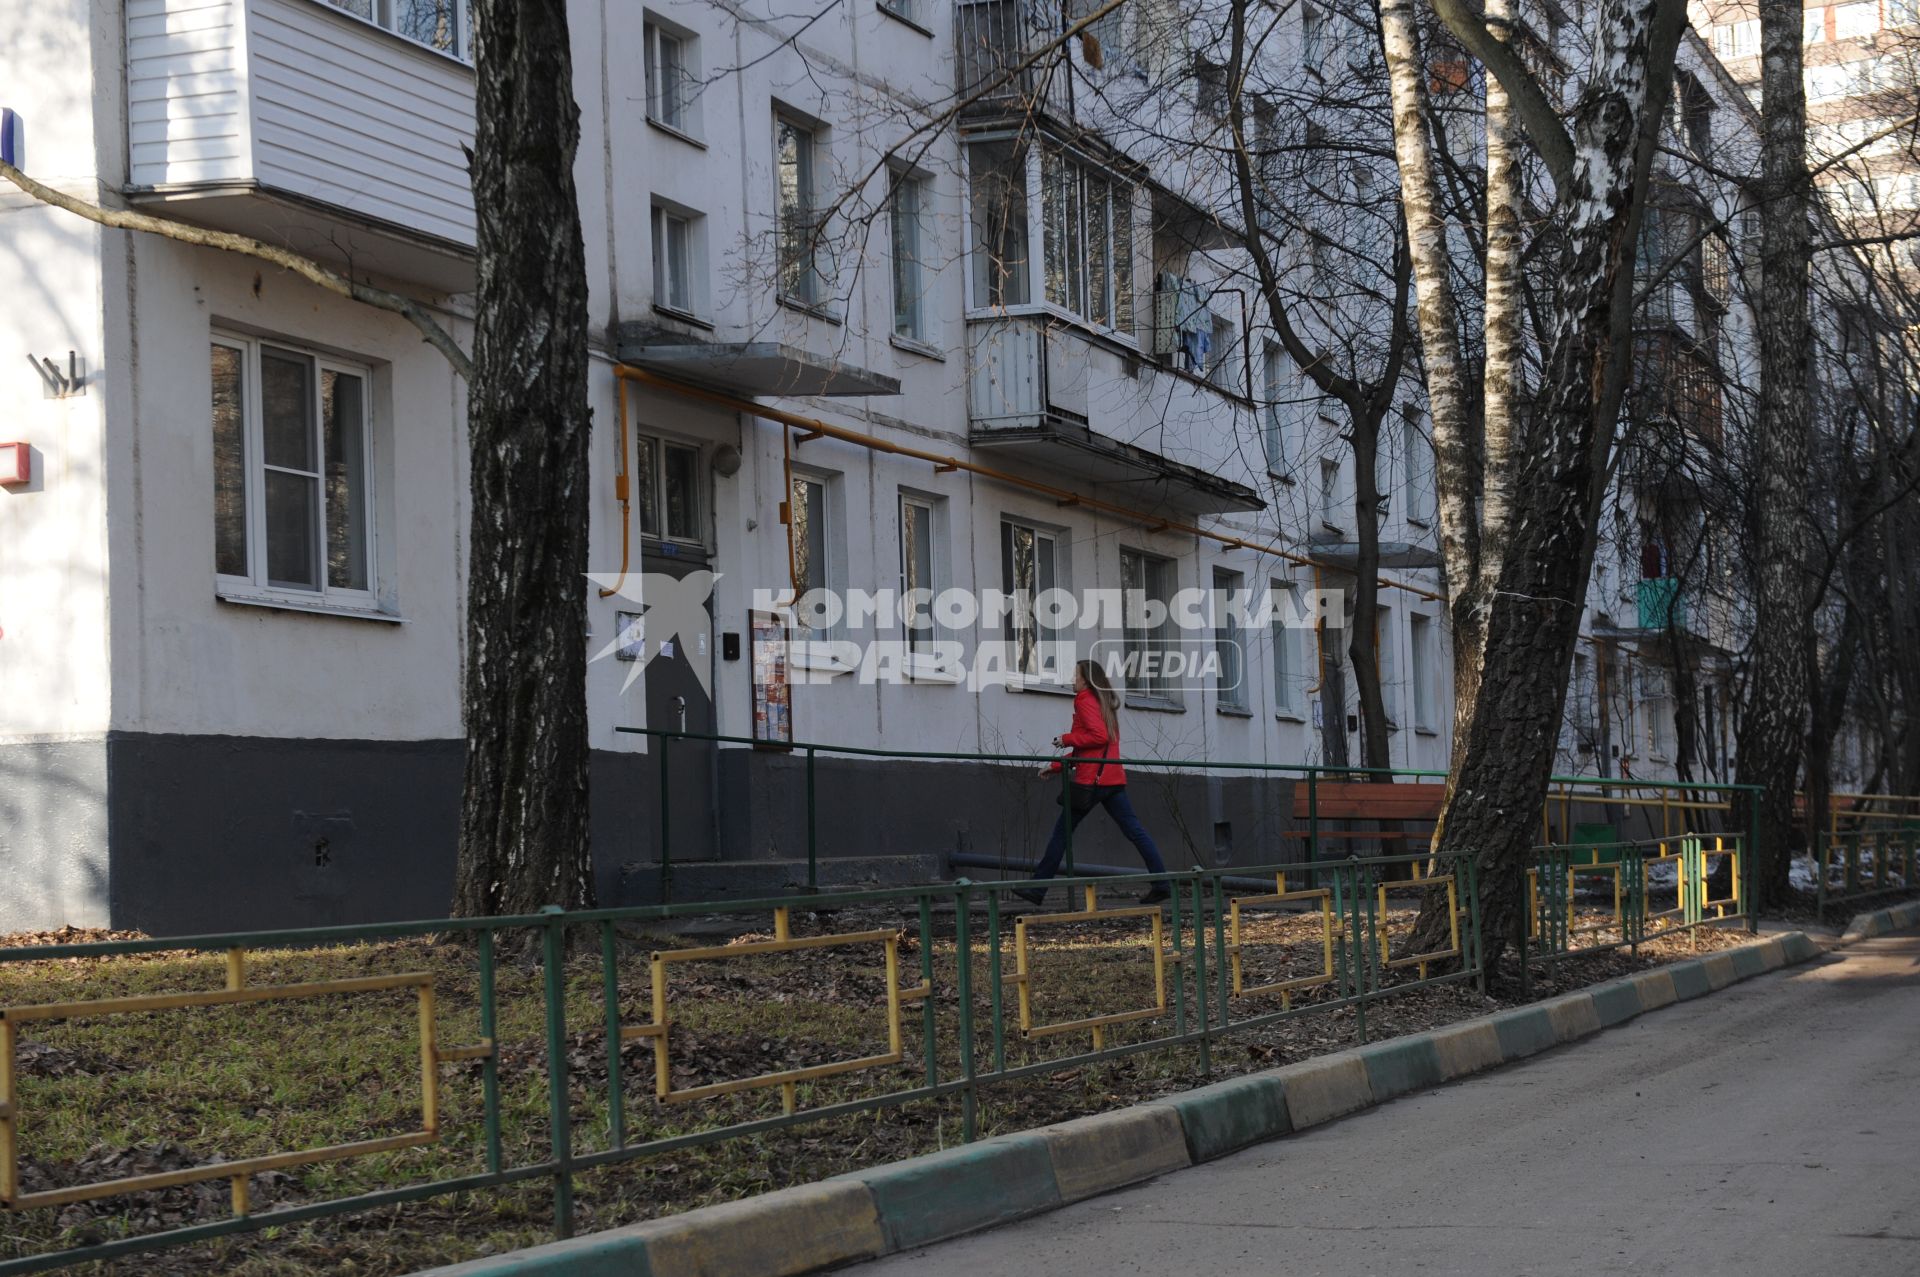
(772,690)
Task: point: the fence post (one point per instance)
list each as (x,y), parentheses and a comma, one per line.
(813,837)
(1200,977)
(1313,819)
(610,995)
(490,1063)
(666,827)
(554,938)
(1066,810)
(963,989)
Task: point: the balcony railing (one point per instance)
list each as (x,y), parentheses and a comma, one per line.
(995,46)
(1673,380)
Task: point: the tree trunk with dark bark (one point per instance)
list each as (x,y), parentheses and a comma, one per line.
(1773,722)
(523,816)
(1363,645)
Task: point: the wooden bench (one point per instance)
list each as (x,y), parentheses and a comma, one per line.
(1365,800)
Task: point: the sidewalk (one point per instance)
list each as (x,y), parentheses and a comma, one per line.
(1697,1139)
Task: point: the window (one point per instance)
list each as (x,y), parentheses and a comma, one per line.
(292,458)
(1220,356)
(1580,699)
(1147,635)
(1273,427)
(1385,663)
(1230,683)
(907,211)
(812,561)
(1903,13)
(670,78)
(667,488)
(905,10)
(1329,504)
(1426,669)
(997,200)
(1287,678)
(917,567)
(673,261)
(1313,31)
(1030,566)
(1287,409)
(1737,39)
(1656,707)
(797,232)
(1419,476)
(445,25)
(1088,221)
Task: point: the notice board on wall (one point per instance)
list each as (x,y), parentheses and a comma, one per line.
(772,688)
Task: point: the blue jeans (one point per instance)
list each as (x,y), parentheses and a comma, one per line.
(1118,806)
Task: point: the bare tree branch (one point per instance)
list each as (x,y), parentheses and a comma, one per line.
(305,267)
(1529,101)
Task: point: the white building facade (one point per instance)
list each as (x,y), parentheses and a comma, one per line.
(232,603)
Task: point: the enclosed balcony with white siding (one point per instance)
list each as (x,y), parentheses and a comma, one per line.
(332,128)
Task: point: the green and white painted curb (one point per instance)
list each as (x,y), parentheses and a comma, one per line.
(927,1199)
(1881,921)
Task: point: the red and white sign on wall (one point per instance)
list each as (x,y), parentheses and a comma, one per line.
(16,464)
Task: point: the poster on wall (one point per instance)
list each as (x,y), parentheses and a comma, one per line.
(772,691)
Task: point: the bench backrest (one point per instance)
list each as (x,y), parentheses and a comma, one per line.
(1365,800)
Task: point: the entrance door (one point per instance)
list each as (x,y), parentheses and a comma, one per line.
(677,701)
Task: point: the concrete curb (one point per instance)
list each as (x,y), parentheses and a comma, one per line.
(1881,921)
(927,1199)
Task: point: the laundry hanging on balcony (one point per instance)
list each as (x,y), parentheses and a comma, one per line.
(1186,320)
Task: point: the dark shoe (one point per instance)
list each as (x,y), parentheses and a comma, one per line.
(1156,894)
(1034,898)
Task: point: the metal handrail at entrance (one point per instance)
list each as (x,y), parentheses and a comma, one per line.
(1324,800)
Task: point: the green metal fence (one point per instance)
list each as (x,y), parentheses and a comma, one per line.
(1853,865)
(981,1011)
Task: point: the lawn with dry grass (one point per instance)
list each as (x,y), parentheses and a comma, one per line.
(105,1097)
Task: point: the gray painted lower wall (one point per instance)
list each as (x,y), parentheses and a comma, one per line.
(217,833)
(53,834)
(181,834)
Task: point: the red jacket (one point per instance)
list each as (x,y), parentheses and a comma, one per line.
(1088,738)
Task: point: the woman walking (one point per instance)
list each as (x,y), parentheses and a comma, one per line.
(1095,735)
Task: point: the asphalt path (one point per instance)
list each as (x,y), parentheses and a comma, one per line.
(1773,1127)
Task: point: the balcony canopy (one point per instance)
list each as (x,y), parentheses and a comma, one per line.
(1128,473)
(751,369)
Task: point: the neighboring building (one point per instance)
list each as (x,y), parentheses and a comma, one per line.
(232,600)
(1862,73)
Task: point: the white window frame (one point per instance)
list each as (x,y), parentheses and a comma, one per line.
(671,78)
(819,649)
(920,639)
(1387,665)
(915,329)
(659,446)
(1123,316)
(1286,652)
(384,14)
(1159,693)
(255,586)
(1120,298)
(1229,643)
(1424,654)
(811,259)
(1224,343)
(1045,668)
(669,270)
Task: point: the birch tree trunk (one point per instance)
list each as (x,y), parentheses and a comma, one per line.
(523,817)
(1773,722)
(1456,451)
(1560,444)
